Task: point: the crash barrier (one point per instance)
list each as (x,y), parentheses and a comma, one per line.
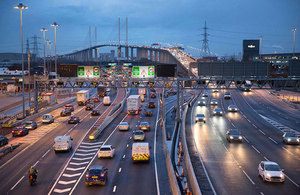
(8,149)
(110,117)
(171,174)
(188,164)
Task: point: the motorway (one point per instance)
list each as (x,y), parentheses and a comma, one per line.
(233,167)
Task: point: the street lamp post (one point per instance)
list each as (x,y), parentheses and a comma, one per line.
(55,25)
(21,7)
(294,41)
(29,77)
(49,55)
(44,32)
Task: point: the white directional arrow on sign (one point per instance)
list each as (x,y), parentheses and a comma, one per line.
(78,154)
(71,175)
(62,191)
(75,169)
(82,158)
(66,182)
(73,163)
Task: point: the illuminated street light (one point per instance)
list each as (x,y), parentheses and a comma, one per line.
(44,31)
(55,25)
(21,7)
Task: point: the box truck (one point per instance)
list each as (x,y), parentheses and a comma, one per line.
(133,104)
(83,97)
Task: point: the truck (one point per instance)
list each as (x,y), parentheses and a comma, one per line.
(101,92)
(133,104)
(140,152)
(83,97)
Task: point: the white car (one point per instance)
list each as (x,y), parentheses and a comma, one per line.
(232,108)
(123,126)
(106,151)
(200,118)
(270,171)
(213,102)
(47,118)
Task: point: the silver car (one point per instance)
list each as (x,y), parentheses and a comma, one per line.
(232,108)
(270,171)
(202,102)
(200,118)
(218,111)
(290,138)
(213,102)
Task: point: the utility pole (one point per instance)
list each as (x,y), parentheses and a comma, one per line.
(90,45)
(55,25)
(205,47)
(96,49)
(44,31)
(126,31)
(260,46)
(119,27)
(294,29)
(49,55)
(29,77)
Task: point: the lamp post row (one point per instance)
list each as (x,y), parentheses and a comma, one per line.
(21,7)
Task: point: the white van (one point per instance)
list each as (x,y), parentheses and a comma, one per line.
(106,101)
(47,118)
(62,143)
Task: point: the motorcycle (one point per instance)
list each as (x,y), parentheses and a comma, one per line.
(32,179)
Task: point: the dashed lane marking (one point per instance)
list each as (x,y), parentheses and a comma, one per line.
(262,132)
(273,140)
(115,188)
(249,177)
(17,183)
(255,149)
(120,169)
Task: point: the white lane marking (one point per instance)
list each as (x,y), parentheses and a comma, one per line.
(79,154)
(266,158)
(61,191)
(255,149)
(115,188)
(66,182)
(46,153)
(155,163)
(130,138)
(261,193)
(92,150)
(97,146)
(246,139)
(273,140)
(17,183)
(75,169)
(254,125)
(120,169)
(248,177)
(291,180)
(127,145)
(35,163)
(262,132)
(94,143)
(73,163)
(82,158)
(71,175)
(124,156)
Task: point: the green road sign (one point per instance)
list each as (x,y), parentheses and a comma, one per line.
(80,71)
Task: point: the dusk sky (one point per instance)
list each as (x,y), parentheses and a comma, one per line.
(174,22)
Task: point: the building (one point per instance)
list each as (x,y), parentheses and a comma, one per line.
(250,49)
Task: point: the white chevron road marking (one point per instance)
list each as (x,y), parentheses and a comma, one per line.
(61,190)
(96,146)
(75,169)
(92,150)
(94,143)
(82,158)
(71,175)
(66,182)
(73,163)
(79,154)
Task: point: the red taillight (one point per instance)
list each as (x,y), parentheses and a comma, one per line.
(102,175)
(12,131)
(128,112)
(148,125)
(30,176)
(136,112)
(87,175)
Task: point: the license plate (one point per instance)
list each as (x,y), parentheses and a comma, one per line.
(94,176)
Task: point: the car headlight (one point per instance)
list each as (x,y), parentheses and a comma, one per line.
(221,112)
(282,175)
(214,112)
(240,137)
(298,140)
(231,137)
(289,139)
(268,175)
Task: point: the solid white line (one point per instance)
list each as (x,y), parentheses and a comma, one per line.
(291,180)
(120,169)
(262,132)
(127,145)
(155,163)
(273,140)
(248,177)
(266,158)
(261,193)
(17,183)
(255,149)
(36,163)
(46,153)
(254,125)
(115,188)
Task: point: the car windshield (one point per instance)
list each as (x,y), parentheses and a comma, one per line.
(290,134)
(144,123)
(272,167)
(232,106)
(123,123)
(200,115)
(227,93)
(218,109)
(28,123)
(213,100)
(139,133)
(45,116)
(105,149)
(234,132)
(95,172)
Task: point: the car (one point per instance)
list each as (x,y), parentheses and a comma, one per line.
(19,131)
(96,99)
(124,126)
(89,107)
(3,140)
(205,94)
(153,95)
(106,101)
(96,175)
(270,171)
(106,151)
(142,98)
(138,135)
(227,95)
(73,119)
(234,135)
(65,113)
(95,112)
(144,126)
(148,113)
(215,90)
(202,102)
(30,125)
(152,90)
(290,137)
(69,107)
(62,143)
(217,111)
(200,118)
(213,102)
(232,108)
(47,118)
(151,105)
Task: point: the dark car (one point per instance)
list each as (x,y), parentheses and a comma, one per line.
(234,135)
(73,119)
(96,175)
(19,131)
(3,140)
(227,95)
(65,113)
(95,112)
(153,95)
(69,107)
(151,105)
(148,113)
(30,125)
(89,107)
(152,90)
(218,112)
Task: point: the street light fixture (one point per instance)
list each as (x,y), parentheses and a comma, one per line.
(55,25)
(294,41)
(44,31)
(21,7)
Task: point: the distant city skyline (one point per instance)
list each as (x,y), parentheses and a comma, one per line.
(173,23)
